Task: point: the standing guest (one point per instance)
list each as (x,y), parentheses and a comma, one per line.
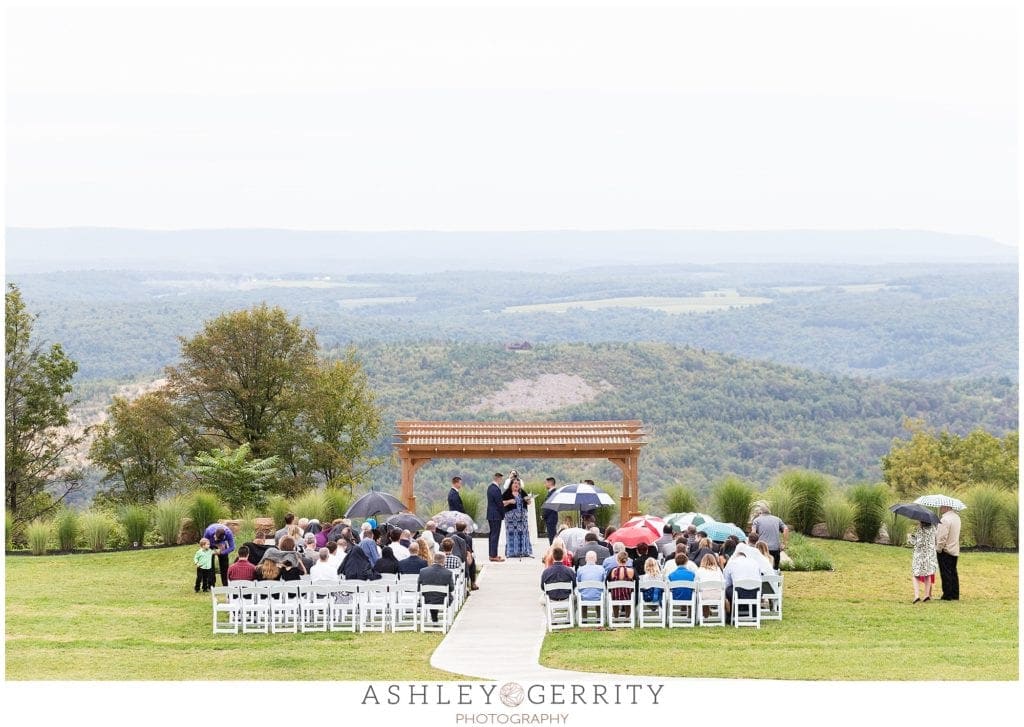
(203,560)
(924,562)
(772,532)
(495,517)
(323,570)
(550,516)
(437,575)
(517,525)
(621,572)
(558,572)
(241,569)
(387,563)
(470,558)
(947,546)
(221,540)
(590,571)
(414,563)
(454,498)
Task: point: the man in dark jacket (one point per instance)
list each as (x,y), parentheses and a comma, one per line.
(495,517)
(550,516)
(558,572)
(454,498)
(414,563)
(356,566)
(579,557)
(467,556)
(437,575)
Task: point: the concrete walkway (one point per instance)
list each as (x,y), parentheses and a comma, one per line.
(499,631)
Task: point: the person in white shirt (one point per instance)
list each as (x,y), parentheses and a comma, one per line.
(739,568)
(335,555)
(401,552)
(322,570)
(749,548)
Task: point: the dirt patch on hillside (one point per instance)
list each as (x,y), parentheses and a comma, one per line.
(547,392)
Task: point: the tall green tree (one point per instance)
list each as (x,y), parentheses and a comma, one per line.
(237,479)
(38,441)
(239,378)
(140,449)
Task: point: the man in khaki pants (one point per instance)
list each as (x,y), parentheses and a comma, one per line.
(947,546)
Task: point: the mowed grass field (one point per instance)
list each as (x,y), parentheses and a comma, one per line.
(856,623)
(134,616)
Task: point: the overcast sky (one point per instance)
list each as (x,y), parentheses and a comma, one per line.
(460,119)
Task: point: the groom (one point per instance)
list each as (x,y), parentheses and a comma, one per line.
(495,516)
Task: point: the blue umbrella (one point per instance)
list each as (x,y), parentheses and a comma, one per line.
(720,531)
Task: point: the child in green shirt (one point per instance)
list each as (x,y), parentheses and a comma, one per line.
(204,566)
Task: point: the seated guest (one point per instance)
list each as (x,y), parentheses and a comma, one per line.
(621,572)
(607,534)
(451,561)
(590,543)
(426,552)
(336,557)
(670,563)
(651,595)
(432,537)
(399,551)
(242,569)
(709,570)
(470,558)
(729,547)
(268,570)
(414,563)
(667,540)
(703,548)
(643,554)
(459,547)
(367,544)
(572,537)
(356,566)
(322,570)
(681,574)
(292,569)
(612,560)
(740,567)
(437,575)
(590,571)
(387,563)
(549,556)
(695,542)
(308,552)
(558,572)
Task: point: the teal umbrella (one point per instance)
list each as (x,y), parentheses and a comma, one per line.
(720,531)
(682,520)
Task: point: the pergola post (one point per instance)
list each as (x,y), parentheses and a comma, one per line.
(629,501)
(409,467)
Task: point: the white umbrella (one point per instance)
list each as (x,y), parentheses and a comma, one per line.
(940,501)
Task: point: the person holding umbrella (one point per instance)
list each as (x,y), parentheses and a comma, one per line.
(924,562)
(550,516)
(947,545)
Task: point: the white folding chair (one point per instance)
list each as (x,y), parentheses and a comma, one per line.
(559,612)
(682,612)
(373,606)
(771,597)
(256,607)
(315,606)
(443,610)
(752,604)
(651,613)
(284,608)
(226,601)
(405,605)
(590,613)
(344,609)
(711,597)
(625,602)
(387,578)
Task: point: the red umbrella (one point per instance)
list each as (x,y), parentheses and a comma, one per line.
(633,535)
(648,520)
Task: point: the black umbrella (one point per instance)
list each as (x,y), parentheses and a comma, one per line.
(915,512)
(373,503)
(406,521)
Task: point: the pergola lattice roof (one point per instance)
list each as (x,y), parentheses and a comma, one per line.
(505,436)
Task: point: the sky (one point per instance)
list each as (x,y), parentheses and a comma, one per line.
(491,118)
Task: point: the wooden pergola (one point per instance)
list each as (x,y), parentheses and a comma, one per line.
(418,442)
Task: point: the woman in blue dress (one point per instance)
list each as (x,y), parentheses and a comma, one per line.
(517,526)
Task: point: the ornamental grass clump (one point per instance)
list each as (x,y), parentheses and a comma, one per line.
(870,502)
(809,490)
(38,535)
(680,498)
(336,502)
(167,516)
(898,527)
(277,507)
(471,501)
(310,504)
(839,514)
(135,519)
(68,529)
(731,501)
(782,503)
(204,510)
(1011,517)
(985,515)
(96,527)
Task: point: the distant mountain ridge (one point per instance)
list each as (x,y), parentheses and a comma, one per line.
(244,250)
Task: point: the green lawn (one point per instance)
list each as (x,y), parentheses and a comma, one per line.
(121,616)
(856,623)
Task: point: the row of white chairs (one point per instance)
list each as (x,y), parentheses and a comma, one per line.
(705,604)
(395,603)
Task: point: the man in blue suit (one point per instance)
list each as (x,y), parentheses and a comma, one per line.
(495,516)
(550,516)
(454,498)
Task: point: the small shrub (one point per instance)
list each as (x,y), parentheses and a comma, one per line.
(870,502)
(731,501)
(1011,517)
(782,503)
(135,520)
(680,498)
(809,490)
(311,504)
(898,527)
(167,516)
(336,502)
(67,530)
(985,516)
(277,508)
(38,535)
(96,527)
(205,509)
(471,501)
(805,556)
(839,516)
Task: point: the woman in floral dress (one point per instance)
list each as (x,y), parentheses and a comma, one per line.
(517,526)
(924,562)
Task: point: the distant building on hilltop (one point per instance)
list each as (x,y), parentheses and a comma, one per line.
(519,346)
